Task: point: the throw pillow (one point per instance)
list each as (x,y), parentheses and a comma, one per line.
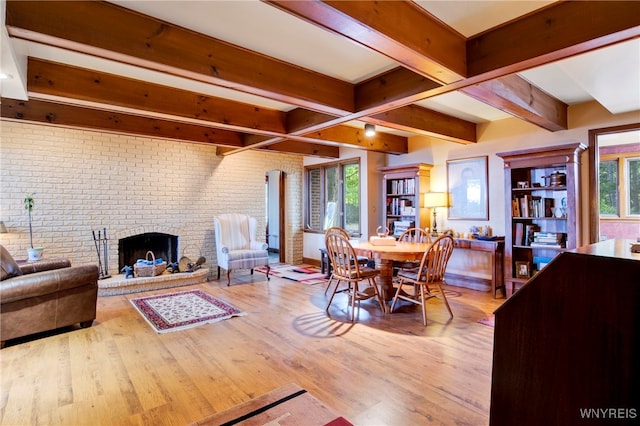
(9,266)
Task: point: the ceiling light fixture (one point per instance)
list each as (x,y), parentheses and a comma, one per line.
(369,130)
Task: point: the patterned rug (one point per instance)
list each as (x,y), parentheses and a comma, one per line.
(182,310)
(288,405)
(304,274)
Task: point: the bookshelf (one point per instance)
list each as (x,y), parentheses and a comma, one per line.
(403,195)
(542,207)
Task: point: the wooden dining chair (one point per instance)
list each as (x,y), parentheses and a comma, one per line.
(411,235)
(352,273)
(362,260)
(428,278)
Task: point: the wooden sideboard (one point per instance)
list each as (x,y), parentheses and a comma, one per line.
(495,264)
(567,342)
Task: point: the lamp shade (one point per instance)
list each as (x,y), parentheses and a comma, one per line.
(436,199)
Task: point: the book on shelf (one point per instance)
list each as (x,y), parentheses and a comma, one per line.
(515,207)
(547,245)
(529,206)
(529,233)
(549,207)
(518,238)
(549,239)
(524,206)
(399,226)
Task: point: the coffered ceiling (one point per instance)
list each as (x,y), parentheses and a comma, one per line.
(305,76)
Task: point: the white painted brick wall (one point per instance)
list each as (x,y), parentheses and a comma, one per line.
(85,180)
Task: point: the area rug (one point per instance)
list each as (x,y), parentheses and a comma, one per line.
(304,274)
(288,405)
(182,310)
(489,320)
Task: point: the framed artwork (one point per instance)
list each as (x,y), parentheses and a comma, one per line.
(522,270)
(467,182)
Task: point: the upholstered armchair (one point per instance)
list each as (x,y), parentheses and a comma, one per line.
(236,245)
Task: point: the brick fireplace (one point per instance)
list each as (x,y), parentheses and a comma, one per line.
(86,180)
(130,249)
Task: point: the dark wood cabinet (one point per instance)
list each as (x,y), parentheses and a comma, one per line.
(542,207)
(403,194)
(566,345)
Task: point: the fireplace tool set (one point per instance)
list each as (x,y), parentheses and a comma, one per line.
(101,242)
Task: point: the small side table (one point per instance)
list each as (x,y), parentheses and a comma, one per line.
(325,262)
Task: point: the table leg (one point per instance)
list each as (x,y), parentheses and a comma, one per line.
(386,278)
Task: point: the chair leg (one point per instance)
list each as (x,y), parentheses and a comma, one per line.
(218,272)
(329,284)
(354,294)
(424,306)
(333,293)
(228,277)
(395,298)
(373,283)
(446,302)
(268,269)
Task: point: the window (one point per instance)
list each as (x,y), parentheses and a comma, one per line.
(620,185)
(333,196)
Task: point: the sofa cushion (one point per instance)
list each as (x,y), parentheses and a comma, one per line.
(9,266)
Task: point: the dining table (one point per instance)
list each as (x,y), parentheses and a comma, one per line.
(384,255)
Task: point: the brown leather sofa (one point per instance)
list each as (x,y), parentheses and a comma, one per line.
(45,295)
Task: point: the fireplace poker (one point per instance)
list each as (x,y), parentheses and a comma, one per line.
(105,255)
(95,242)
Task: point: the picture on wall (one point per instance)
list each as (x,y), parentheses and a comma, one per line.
(467,180)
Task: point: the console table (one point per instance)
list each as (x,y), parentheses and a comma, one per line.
(495,248)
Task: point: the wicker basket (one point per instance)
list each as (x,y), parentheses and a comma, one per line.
(149,270)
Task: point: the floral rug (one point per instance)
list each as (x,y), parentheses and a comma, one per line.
(304,274)
(182,310)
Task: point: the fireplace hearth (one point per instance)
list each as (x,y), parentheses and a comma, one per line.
(163,246)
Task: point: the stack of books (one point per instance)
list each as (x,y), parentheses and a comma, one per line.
(399,226)
(549,239)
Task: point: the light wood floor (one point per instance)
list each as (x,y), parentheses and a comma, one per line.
(381,370)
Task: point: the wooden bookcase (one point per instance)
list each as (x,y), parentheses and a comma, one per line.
(403,195)
(542,207)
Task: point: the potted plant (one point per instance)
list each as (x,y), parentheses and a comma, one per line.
(34,253)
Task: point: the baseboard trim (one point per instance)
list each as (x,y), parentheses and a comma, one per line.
(474,283)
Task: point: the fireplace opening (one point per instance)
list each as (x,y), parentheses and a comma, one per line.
(163,246)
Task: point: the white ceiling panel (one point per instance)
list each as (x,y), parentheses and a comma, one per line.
(464,107)
(263,28)
(610,75)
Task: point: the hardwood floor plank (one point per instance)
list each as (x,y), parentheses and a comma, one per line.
(382,369)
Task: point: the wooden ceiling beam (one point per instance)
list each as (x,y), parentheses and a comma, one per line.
(307,149)
(415,118)
(391,89)
(559,31)
(400,30)
(354,137)
(38,111)
(106,30)
(268,126)
(518,97)
(53,79)
(342,135)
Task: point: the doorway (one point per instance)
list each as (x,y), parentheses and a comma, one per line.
(602,143)
(274,215)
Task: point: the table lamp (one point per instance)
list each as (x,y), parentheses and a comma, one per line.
(433,200)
